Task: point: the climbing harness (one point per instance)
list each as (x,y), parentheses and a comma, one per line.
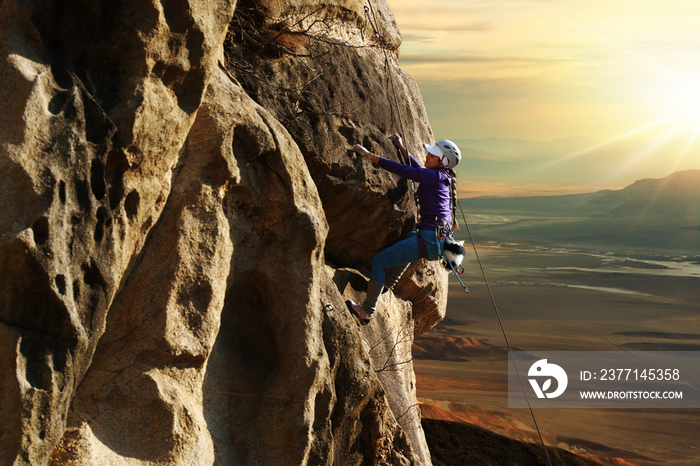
(443,234)
(503,330)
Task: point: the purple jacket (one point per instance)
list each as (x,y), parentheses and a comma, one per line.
(434,192)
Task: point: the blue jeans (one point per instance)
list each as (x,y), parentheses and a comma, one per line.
(404,252)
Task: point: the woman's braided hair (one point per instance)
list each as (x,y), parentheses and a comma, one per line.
(453,184)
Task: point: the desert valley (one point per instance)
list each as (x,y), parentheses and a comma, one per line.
(609,271)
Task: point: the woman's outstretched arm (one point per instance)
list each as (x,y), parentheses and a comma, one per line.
(413,172)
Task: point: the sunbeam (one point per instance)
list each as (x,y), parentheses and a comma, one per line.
(634,159)
(600,145)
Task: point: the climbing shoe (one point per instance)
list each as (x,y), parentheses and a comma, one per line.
(358,312)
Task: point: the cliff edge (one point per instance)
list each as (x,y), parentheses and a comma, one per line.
(182,219)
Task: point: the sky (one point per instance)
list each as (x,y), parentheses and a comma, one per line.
(609,70)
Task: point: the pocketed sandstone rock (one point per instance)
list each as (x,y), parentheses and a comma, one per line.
(170,231)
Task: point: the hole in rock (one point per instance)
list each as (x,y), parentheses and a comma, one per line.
(82,193)
(62,191)
(60,101)
(99,227)
(76,291)
(40,227)
(61,284)
(131,204)
(97,179)
(117,164)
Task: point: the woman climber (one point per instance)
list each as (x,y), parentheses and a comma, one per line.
(437,199)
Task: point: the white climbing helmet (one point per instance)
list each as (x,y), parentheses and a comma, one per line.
(451,152)
(447,151)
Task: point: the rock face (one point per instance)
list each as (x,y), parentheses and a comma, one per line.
(181,221)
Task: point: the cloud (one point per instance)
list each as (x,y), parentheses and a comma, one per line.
(546,69)
(427,59)
(422,38)
(445,27)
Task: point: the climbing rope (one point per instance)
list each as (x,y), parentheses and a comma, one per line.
(380,38)
(503,330)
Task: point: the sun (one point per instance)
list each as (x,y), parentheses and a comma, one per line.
(682,98)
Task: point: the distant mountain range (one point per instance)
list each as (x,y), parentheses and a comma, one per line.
(676,195)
